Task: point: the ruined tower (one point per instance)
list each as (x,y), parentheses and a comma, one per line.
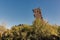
(37,13)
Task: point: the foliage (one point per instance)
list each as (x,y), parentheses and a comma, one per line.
(39,30)
(59,31)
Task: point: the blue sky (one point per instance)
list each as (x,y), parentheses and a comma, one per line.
(14,12)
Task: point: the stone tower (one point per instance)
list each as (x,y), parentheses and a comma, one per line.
(37,13)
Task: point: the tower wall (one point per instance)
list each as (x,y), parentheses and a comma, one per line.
(37,13)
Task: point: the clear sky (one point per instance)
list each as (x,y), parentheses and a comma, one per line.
(14,12)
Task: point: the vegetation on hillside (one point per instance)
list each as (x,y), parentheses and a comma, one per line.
(39,30)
